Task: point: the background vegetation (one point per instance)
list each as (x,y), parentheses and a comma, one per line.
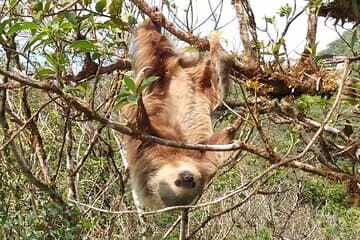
(64,76)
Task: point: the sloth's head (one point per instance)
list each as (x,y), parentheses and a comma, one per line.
(177,182)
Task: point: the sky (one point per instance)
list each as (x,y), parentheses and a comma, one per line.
(295,37)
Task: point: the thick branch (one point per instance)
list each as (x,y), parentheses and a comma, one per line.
(311,28)
(90,68)
(346,11)
(247,27)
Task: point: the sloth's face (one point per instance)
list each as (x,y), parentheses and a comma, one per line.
(177,183)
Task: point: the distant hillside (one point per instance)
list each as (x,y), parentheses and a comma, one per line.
(340,47)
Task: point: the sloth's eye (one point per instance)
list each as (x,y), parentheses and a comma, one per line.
(177,182)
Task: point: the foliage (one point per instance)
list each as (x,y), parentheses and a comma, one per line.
(60,164)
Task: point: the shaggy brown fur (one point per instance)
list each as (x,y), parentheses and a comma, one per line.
(177,106)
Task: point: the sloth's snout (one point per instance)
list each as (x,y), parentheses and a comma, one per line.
(185,179)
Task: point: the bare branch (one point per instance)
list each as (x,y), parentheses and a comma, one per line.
(201,43)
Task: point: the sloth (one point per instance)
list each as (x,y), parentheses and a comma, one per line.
(177,106)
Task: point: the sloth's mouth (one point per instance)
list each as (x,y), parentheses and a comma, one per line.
(172,198)
(179,183)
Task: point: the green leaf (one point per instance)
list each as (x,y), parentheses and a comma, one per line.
(71,17)
(34,39)
(147,82)
(44,73)
(276,48)
(12,3)
(122,95)
(67,25)
(83,45)
(115,7)
(129,18)
(79,88)
(47,6)
(314,48)
(130,83)
(354,39)
(3,24)
(285,10)
(22,26)
(100,5)
(51,59)
(86,2)
(133,99)
(38,7)
(269,19)
(95,56)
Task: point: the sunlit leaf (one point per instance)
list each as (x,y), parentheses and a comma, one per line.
(83,45)
(285,10)
(122,95)
(115,7)
(22,26)
(34,39)
(130,83)
(44,73)
(147,82)
(13,3)
(79,88)
(67,25)
(252,84)
(276,48)
(269,19)
(47,6)
(51,59)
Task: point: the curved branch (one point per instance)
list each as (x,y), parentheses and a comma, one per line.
(159,18)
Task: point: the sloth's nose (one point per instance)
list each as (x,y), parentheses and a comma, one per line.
(186,179)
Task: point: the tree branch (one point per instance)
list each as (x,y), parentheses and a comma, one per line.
(90,114)
(159,18)
(91,68)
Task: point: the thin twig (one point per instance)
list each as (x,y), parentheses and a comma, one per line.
(171,228)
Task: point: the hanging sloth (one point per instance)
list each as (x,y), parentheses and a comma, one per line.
(178,107)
